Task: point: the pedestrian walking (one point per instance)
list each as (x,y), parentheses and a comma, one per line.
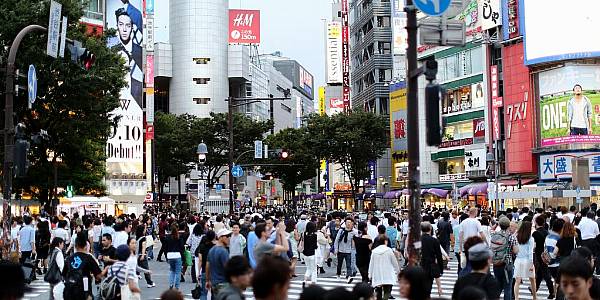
(56,265)
(216,260)
(412,282)
(343,247)
(362,243)
(541,268)
(431,256)
(271,279)
(383,268)
(309,246)
(174,248)
(140,261)
(524,267)
(480,257)
(201,254)
(239,277)
(503,245)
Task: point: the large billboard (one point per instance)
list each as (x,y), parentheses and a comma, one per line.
(244,26)
(346,55)
(570,105)
(398,132)
(570,38)
(125,145)
(559,166)
(334,52)
(306,80)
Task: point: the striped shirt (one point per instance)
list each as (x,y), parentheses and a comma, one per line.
(124,274)
(550,244)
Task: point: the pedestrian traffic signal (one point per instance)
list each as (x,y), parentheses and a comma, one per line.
(81,56)
(433,96)
(284,154)
(69,191)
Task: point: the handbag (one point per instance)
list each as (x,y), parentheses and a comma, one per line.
(187,258)
(301,244)
(127,294)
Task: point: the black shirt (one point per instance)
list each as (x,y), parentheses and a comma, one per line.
(565,246)
(539,236)
(84,261)
(310,244)
(363,252)
(109,252)
(203,249)
(486,282)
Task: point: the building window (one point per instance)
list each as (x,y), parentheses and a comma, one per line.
(93,9)
(201,80)
(383,21)
(383,106)
(201,100)
(384,47)
(201,60)
(458,131)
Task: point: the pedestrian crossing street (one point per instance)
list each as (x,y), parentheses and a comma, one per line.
(37,288)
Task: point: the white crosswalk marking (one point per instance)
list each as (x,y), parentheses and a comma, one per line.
(447,285)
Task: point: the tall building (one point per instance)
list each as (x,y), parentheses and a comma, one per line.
(198,36)
(371,54)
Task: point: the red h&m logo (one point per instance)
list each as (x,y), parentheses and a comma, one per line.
(244,26)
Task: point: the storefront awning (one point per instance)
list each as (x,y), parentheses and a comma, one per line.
(474,189)
(438,192)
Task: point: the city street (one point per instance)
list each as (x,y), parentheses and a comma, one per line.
(327,281)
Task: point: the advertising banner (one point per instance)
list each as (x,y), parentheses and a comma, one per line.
(510,19)
(570,40)
(477,95)
(489,14)
(479,130)
(306,80)
(570,118)
(149,7)
(558,166)
(496,102)
(334,52)
(475,160)
(149,28)
(336,105)
(149,70)
(345,56)
(322,107)
(471,18)
(399,34)
(398,134)
(125,145)
(244,26)
(150,105)
(53,29)
(373,173)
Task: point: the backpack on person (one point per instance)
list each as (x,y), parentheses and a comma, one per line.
(53,275)
(500,247)
(74,278)
(110,288)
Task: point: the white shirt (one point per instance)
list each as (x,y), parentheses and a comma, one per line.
(405,227)
(62,233)
(97,229)
(579,116)
(571,216)
(589,229)
(120,238)
(372,231)
(454,221)
(470,227)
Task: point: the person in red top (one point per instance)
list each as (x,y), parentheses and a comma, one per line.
(162,228)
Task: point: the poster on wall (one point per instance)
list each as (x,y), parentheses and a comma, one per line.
(334,52)
(244,26)
(306,81)
(125,145)
(477,95)
(336,105)
(489,14)
(400,36)
(571,118)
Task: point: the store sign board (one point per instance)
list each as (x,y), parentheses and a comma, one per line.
(456,143)
(489,14)
(475,160)
(558,166)
(453,177)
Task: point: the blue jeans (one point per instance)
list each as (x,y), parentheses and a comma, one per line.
(203,290)
(348,258)
(97,247)
(504,276)
(174,272)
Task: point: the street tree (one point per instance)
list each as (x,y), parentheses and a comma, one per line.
(350,140)
(73,105)
(302,162)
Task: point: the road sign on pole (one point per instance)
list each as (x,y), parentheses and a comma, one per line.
(63,37)
(31,85)
(53,29)
(432,7)
(219,188)
(258,149)
(237,171)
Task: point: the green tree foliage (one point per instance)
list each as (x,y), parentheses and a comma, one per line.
(73,105)
(302,163)
(350,140)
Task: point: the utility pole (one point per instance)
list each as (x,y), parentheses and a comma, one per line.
(414,188)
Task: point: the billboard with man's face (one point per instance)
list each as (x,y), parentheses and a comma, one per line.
(125,145)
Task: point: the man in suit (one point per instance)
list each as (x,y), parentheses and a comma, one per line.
(431,256)
(132,53)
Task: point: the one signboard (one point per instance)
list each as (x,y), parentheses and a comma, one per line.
(334,52)
(149,78)
(237,171)
(244,26)
(336,105)
(63,37)
(150,105)
(479,130)
(124,148)
(432,7)
(31,84)
(149,33)
(496,102)
(399,34)
(559,166)
(511,20)
(490,14)
(322,106)
(53,29)
(149,132)
(345,56)
(569,41)
(258,149)
(398,134)
(475,160)
(219,187)
(306,80)
(372,172)
(149,7)
(561,122)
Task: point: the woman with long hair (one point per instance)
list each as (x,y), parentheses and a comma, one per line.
(139,262)
(567,241)
(174,247)
(524,262)
(323,244)
(42,244)
(363,243)
(309,239)
(294,236)
(57,258)
(193,241)
(201,253)
(412,281)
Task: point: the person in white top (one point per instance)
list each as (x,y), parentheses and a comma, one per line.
(372,227)
(122,234)
(57,257)
(589,230)
(571,213)
(61,232)
(471,227)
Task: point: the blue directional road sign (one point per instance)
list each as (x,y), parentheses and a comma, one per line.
(31,84)
(219,187)
(432,7)
(237,171)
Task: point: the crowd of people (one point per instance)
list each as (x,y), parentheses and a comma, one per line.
(105,257)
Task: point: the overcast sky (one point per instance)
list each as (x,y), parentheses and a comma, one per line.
(293,27)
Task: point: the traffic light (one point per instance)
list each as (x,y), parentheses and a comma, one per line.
(69,191)
(21,151)
(81,56)
(280,154)
(284,154)
(433,94)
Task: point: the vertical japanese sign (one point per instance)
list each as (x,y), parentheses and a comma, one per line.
(489,14)
(496,102)
(398,134)
(334,52)
(511,19)
(400,36)
(53,29)
(372,172)
(244,26)
(345,57)
(322,108)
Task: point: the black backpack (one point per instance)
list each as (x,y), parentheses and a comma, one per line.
(74,278)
